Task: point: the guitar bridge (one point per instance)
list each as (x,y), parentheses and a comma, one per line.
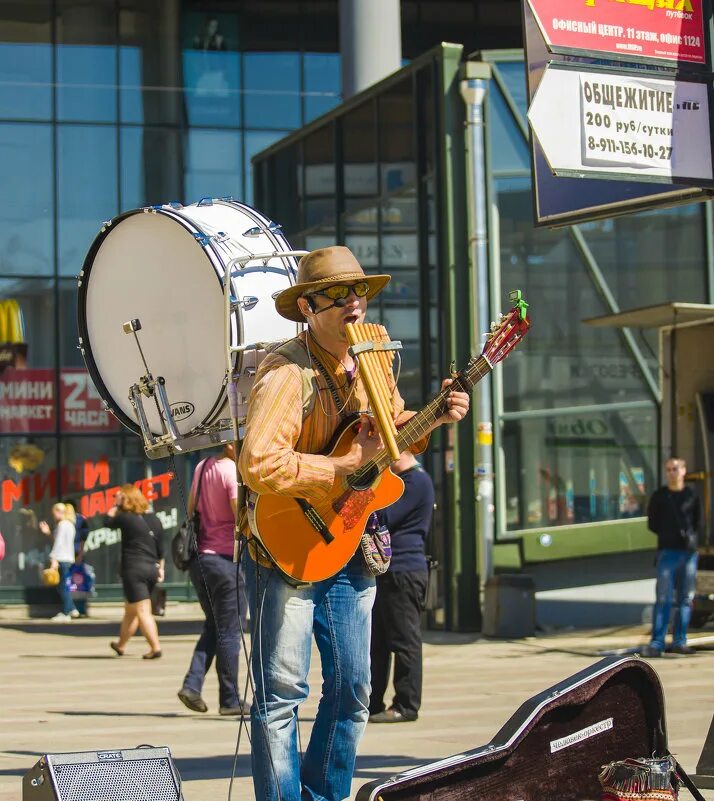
(313,518)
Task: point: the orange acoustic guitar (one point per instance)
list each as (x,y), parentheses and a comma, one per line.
(311,543)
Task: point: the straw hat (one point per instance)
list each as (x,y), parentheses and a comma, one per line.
(321,268)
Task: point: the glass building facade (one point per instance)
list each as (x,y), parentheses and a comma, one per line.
(107,105)
(576,409)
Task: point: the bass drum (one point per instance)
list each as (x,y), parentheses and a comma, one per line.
(165,266)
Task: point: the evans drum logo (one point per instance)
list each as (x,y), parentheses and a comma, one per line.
(181,410)
(109,756)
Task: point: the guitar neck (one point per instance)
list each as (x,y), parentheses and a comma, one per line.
(420,424)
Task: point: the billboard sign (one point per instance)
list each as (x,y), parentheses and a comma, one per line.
(625,126)
(666,31)
(28,403)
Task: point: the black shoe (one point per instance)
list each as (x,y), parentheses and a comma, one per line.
(235,711)
(192,700)
(684,650)
(392,715)
(650,652)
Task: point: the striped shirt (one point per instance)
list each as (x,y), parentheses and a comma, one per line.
(280,453)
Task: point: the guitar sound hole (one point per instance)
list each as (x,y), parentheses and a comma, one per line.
(363,480)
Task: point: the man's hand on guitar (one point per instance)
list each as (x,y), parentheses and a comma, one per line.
(365,445)
(457,404)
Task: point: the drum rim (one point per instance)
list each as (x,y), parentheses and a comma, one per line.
(85,347)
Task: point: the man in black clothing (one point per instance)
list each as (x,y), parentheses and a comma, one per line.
(396,616)
(673,514)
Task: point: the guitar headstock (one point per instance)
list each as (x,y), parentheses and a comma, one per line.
(508,331)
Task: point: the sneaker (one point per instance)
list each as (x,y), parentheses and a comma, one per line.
(684,650)
(60,617)
(650,652)
(192,700)
(74,614)
(391,715)
(241,710)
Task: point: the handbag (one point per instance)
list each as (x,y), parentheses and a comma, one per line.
(184,542)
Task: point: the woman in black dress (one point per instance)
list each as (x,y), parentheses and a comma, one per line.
(142,566)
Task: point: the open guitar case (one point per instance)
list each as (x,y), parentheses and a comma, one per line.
(554,746)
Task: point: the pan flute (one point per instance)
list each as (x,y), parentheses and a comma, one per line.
(374,352)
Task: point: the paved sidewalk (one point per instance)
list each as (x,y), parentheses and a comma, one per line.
(64,690)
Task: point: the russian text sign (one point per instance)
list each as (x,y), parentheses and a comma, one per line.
(666,30)
(622,126)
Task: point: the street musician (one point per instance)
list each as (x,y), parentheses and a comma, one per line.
(303,392)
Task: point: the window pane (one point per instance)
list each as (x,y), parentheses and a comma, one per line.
(561,362)
(213,164)
(211,68)
(29,478)
(509,150)
(579,468)
(323,81)
(255,141)
(87,174)
(27,375)
(360,151)
(26,216)
(396,138)
(272,90)
(514,76)
(151,166)
(26,60)
(149,63)
(86,61)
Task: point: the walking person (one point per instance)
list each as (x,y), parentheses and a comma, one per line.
(401,592)
(674,515)
(62,555)
(219,585)
(142,566)
(81,526)
(284,454)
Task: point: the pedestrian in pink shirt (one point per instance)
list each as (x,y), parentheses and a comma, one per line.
(218,581)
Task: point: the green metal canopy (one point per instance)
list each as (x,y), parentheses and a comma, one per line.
(662,315)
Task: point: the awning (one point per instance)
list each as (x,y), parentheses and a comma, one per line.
(660,316)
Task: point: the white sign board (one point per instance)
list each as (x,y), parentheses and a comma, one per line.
(591,123)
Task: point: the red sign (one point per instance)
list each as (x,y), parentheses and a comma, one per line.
(27,401)
(82,408)
(666,30)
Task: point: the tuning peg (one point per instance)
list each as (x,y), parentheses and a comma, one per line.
(494,326)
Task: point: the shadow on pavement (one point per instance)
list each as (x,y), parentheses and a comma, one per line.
(88,628)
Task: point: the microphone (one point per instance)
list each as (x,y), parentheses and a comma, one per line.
(339,303)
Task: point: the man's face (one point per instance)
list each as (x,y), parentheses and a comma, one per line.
(329,325)
(675,469)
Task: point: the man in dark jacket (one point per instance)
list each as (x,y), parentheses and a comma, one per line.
(396,615)
(674,514)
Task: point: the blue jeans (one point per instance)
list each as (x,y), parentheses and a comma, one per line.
(218,582)
(676,576)
(65,594)
(337,612)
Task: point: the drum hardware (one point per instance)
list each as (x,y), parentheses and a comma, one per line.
(258,229)
(246,303)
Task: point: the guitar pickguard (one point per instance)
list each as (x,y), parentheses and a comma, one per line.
(350,506)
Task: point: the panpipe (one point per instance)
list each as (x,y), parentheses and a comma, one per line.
(371,346)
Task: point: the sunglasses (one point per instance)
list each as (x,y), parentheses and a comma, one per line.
(341,291)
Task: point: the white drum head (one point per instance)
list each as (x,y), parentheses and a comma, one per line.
(150,267)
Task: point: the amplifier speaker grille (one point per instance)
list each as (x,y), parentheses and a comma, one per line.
(141,774)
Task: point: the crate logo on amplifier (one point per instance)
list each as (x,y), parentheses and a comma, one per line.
(579,736)
(109,756)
